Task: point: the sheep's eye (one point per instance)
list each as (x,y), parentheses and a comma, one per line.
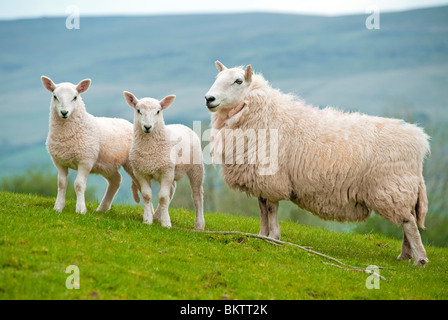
(74,99)
(138,110)
(54,97)
(238,81)
(158,111)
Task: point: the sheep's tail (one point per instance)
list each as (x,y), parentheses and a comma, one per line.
(135,195)
(421,208)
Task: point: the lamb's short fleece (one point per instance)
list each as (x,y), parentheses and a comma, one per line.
(164,153)
(79,141)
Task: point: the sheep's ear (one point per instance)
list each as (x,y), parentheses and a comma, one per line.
(48,83)
(130,99)
(248,73)
(167,101)
(83,85)
(220,66)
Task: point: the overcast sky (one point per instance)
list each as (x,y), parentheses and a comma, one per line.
(14,9)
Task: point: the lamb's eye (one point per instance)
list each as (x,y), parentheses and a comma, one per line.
(74,99)
(55,98)
(238,81)
(158,111)
(138,110)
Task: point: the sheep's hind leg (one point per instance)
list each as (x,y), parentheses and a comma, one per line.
(114,181)
(196,177)
(415,242)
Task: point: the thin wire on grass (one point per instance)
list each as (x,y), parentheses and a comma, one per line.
(341,265)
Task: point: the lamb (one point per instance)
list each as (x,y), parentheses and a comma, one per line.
(155,155)
(338,166)
(79,141)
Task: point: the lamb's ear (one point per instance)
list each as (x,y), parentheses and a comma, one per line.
(48,83)
(248,73)
(83,85)
(130,99)
(220,66)
(167,101)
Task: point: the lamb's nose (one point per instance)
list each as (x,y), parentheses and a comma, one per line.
(147,128)
(64,113)
(210,99)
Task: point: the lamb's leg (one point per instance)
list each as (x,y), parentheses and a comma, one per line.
(274,228)
(114,181)
(80,186)
(415,242)
(264,221)
(62,187)
(196,177)
(164,199)
(406,251)
(172,190)
(145,189)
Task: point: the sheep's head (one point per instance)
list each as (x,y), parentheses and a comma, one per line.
(65,95)
(148,111)
(230,87)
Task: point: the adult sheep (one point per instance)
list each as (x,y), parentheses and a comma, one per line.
(79,141)
(339,166)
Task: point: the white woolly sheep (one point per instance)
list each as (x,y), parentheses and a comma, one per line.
(79,141)
(339,166)
(155,155)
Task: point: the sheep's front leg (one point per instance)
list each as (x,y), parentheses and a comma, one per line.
(80,186)
(145,189)
(264,222)
(62,187)
(164,200)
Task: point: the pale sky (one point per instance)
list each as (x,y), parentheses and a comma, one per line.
(14,9)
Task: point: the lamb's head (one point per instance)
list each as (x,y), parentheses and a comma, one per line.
(230,87)
(66,96)
(148,111)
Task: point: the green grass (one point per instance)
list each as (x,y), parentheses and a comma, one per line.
(119,257)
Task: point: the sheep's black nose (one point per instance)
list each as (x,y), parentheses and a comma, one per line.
(147,128)
(210,99)
(64,113)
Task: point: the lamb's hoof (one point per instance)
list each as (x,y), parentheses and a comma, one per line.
(101,209)
(81,211)
(421,262)
(274,236)
(58,210)
(166,224)
(147,221)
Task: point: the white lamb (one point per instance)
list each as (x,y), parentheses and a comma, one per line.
(337,165)
(79,141)
(155,155)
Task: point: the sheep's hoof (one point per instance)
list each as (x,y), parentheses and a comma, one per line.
(59,210)
(421,262)
(199,226)
(148,222)
(402,257)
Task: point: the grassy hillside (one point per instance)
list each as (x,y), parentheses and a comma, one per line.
(121,258)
